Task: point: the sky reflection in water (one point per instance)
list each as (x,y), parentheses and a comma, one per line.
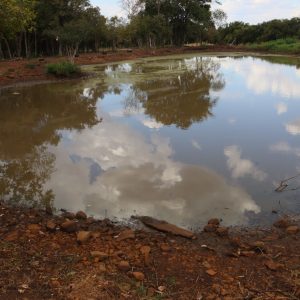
(181,138)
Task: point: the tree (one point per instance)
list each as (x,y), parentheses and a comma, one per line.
(16,17)
(188,97)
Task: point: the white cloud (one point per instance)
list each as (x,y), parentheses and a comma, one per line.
(232,121)
(139,176)
(284,147)
(293,128)
(281,108)
(196,145)
(262,78)
(240,167)
(152,124)
(256,11)
(109,8)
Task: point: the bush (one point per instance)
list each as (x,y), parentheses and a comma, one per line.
(63,69)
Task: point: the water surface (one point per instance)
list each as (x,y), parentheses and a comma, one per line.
(181,138)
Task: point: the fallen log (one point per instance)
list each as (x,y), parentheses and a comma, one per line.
(166,227)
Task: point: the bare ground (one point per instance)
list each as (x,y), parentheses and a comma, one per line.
(40,260)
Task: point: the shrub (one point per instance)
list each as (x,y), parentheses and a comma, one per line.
(63,69)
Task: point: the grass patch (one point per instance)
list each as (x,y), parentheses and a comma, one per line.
(291,46)
(63,69)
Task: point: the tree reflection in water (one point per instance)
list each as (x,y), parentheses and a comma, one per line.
(30,122)
(181,99)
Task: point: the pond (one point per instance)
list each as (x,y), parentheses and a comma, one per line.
(180,138)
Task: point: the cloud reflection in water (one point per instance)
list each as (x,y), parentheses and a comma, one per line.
(141,177)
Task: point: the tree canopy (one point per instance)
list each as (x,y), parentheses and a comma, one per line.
(32,28)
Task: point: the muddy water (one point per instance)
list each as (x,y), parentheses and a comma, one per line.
(180,138)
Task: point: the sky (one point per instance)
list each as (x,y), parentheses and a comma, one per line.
(250,11)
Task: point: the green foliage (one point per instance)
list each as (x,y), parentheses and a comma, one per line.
(63,69)
(282,32)
(141,291)
(278,46)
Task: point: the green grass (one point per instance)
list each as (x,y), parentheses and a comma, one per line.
(291,46)
(63,69)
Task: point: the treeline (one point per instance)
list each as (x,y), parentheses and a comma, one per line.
(243,33)
(41,27)
(32,28)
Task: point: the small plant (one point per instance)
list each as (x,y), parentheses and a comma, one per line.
(63,69)
(141,291)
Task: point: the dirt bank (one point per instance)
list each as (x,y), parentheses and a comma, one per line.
(27,70)
(75,257)
(31,70)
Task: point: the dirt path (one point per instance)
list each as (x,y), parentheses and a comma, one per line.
(74,257)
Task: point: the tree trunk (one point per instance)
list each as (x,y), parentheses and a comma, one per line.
(114,45)
(1,51)
(19,44)
(35,44)
(26,44)
(7,47)
(96,44)
(59,48)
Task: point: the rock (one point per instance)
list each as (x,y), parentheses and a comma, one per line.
(96,235)
(206,264)
(162,288)
(211,272)
(124,265)
(69,215)
(215,222)
(34,227)
(138,276)
(90,220)
(210,228)
(83,236)
(216,288)
(50,225)
(259,247)
(222,231)
(282,223)
(166,227)
(98,254)
(145,250)
(12,236)
(292,229)
(54,283)
(69,226)
(81,215)
(270,264)
(125,234)
(165,247)
(102,267)
(151,292)
(247,253)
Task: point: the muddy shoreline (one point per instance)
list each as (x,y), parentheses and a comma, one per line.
(73,256)
(32,71)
